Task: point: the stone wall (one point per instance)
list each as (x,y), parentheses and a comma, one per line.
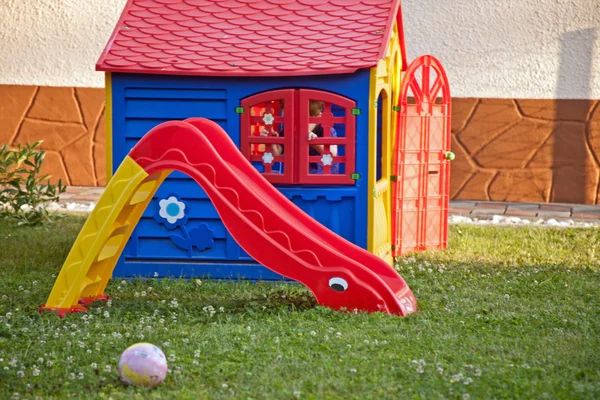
(526,150)
(506,150)
(70,121)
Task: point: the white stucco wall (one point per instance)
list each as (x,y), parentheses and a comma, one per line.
(55,42)
(508,48)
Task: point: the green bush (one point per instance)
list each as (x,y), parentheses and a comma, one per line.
(23,195)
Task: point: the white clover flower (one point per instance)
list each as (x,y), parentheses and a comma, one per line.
(268,158)
(20,374)
(108,368)
(268,119)
(327,159)
(36,370)
(172,210)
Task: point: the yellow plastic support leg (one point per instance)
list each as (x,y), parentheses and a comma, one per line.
(89,265)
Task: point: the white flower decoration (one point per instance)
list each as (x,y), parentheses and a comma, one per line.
(171,209)
(327,159)
(267,158)
(268,119)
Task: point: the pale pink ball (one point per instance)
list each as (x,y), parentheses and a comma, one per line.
(143,365)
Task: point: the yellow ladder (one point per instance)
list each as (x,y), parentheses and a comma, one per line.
(89,265)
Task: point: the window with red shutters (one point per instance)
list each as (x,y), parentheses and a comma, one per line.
(267,138)
(300,136)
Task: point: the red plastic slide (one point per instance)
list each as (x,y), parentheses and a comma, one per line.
(269,227)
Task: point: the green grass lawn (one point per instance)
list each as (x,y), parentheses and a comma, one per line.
(505,313)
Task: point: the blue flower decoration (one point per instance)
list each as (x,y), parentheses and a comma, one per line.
(202,237)
(171,212)
(172,215)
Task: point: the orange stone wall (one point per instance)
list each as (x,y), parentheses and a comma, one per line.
(506,150)
(526,150)
(70,121)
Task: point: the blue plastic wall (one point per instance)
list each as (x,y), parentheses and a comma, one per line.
(141,102)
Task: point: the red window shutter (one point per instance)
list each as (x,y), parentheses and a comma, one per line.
(259,149)
(344,161)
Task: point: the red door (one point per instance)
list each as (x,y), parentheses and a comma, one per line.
(420,190)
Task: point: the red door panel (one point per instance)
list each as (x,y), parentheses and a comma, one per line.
(420,192)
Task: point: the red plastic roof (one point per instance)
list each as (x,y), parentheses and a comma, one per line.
(250,37)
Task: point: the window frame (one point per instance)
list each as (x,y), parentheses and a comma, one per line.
(247,139)
(296,119)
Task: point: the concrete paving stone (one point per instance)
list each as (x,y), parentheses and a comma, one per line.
(462,204)
(523,207)
(587,209)
(74,189)
(491,205)
(521,213)
(84,198)
(93,192)
(584,215)
(487,211)
(459,211)
(555,207)
(553,214)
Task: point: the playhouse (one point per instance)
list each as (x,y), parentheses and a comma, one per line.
(311,94)
(236,61)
